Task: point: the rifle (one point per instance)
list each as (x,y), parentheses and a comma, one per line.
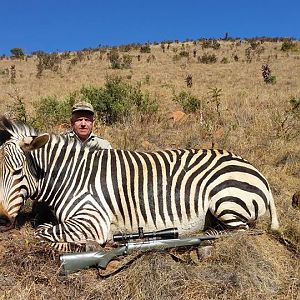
(156,240)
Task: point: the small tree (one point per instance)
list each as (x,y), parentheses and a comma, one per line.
(215,95)
(17,53)
(188,102)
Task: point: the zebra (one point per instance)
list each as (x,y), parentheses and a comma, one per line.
(95,193)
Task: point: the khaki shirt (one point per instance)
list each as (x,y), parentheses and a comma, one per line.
(92,140)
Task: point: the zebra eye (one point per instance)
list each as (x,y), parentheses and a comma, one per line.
(17,171)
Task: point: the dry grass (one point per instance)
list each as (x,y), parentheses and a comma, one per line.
(240,267)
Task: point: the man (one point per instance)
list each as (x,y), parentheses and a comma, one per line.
(82,121)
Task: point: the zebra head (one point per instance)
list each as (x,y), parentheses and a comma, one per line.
(17,175)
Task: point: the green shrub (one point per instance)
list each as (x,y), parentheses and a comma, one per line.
(184,53)
(125,48)
(145,49)
(287,121)
(207,58)
(47,62)
(18,108)
(295,105)
(117,62)
(224,60)
(214,44)
(50,111)
(127,60)
(288,45)
(118,100)
(176,58)
(188,102)
(17,53)
(271,79)
(114,59)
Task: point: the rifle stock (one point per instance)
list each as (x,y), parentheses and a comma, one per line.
(73,262)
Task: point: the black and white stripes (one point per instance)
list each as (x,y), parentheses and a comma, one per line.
(95,193)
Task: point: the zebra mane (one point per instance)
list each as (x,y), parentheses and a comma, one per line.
(14,129)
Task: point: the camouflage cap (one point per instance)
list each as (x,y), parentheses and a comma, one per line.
(82,106)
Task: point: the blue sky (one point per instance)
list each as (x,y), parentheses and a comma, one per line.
(60,25)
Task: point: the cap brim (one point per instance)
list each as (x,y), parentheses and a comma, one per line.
(80,109)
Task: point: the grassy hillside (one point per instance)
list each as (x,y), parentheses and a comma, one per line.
(237,110)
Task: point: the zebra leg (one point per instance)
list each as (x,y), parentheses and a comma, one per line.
(77,230)
(67,247)
(59,246)
(89,222)
(232,212)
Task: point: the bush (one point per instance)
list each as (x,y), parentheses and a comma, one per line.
(117,62)
(51,111)
(127,60)
(17,53)
(214,44)
(145,49)
(188,102)
(207,59)
(295,103)
(224,60)
(288,45)
(47,62)
(268,77)
(270,80)
(125,48)
(118,100)
(17,109)
(287,122)
(114,59)
(176,58)
(184,53)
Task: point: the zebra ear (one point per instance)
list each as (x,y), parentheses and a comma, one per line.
(34,142)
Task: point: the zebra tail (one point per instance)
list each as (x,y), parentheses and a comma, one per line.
(273,214)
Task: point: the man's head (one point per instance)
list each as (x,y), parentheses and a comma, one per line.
(82,119)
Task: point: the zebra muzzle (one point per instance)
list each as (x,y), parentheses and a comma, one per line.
(6,223)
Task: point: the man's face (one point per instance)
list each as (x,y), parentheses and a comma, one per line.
(82,123)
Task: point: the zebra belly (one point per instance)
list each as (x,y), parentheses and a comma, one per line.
(187,226)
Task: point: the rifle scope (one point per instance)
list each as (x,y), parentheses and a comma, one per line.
(169,233)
